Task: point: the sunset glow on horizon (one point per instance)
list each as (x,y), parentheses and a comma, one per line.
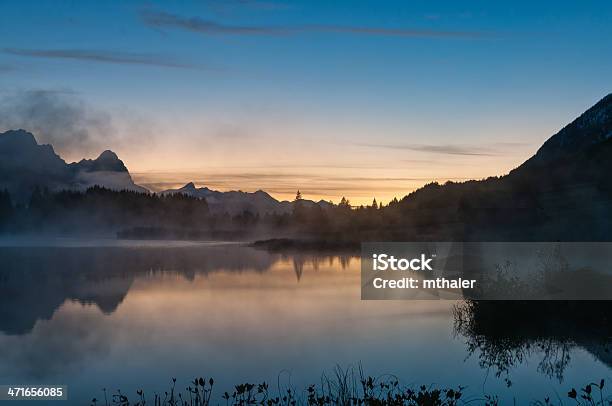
(357,99)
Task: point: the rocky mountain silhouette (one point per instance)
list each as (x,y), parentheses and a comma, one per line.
(236,202)
(563,192)
(26,165)
(593,127)
(36,281)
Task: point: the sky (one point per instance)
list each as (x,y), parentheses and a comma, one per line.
(363,99)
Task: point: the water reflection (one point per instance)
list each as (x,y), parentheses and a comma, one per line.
(95,317)
(503,335)
(35,281)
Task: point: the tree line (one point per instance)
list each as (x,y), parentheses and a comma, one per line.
(101,209)
(98,209)
(523,206)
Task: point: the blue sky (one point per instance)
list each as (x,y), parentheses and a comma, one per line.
(309,92)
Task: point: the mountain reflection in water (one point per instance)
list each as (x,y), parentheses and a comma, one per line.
(133,315)
(35,281)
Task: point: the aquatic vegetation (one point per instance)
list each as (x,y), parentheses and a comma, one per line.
(344,387)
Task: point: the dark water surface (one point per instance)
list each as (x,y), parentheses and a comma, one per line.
(130,315)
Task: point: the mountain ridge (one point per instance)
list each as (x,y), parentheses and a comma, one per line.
(562,193)
(26,165)
(237,201)
(591,127)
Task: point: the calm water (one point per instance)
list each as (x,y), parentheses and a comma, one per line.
(132,315)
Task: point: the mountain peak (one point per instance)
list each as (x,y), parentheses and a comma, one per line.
(592,127)
(108,155)
(190,185)
(19,148)
(107,161)
(25,165)
(19,136)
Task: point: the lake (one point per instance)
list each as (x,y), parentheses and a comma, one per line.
(124,314)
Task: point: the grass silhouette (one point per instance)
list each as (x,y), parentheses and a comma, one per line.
(343,387)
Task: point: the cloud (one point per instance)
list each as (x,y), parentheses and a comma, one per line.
(59,118)
(439,149)
(127,58)
(161,19)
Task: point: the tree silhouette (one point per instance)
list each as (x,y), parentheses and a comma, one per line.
(299,213)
